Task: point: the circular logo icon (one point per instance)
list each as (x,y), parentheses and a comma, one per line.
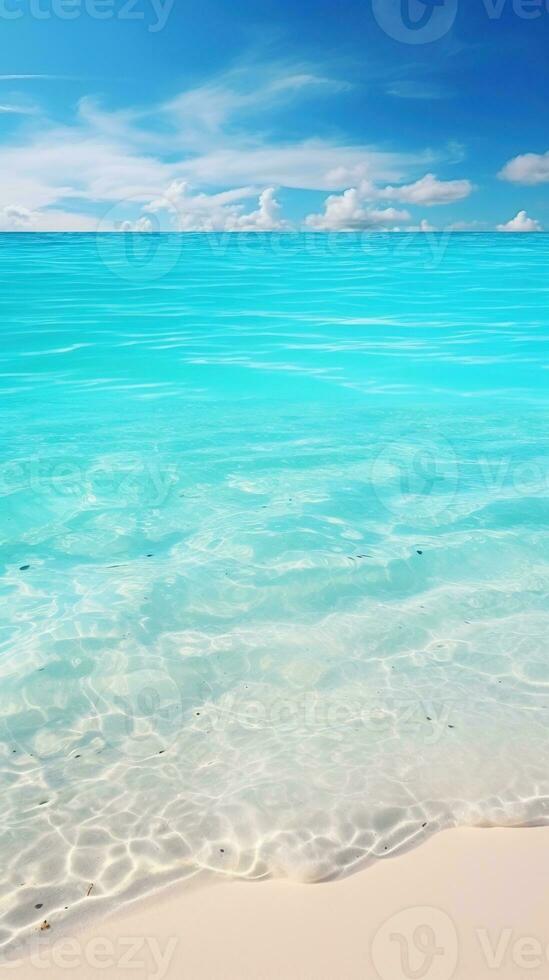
(136,250)
(415,21)
(416,477)
(416,944)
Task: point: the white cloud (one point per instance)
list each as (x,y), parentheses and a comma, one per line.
(530,168)
(18,110)
(352,209)
(68,163)
(313,164)
(206,110)
(429,191)
(17,218)
(219,145)
(521,222)
(410,89)
(346,212)
(76,162)
(190,211)
(265,218)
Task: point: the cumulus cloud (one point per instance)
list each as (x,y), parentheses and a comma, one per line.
(15,218)
(429,191)
(530,168)
(265,218)
(346,212)
(190,211)
(353,209)
(521,222)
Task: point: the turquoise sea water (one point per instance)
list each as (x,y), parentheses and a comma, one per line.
(274,554)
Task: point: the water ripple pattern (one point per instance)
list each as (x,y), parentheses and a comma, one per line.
(274,541)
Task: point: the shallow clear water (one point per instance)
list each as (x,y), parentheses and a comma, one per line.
(274,554)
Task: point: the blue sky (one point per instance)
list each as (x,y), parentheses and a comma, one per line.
(375,115)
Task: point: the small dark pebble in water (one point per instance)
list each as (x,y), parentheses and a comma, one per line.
(39,906)
(23,568)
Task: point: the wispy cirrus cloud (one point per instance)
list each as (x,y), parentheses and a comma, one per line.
(18,110)
(414,89)
(233,97)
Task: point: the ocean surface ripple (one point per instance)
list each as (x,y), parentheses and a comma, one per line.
(274,542)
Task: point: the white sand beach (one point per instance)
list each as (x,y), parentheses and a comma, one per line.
(470,904)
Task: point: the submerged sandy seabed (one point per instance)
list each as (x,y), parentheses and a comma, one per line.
(468,904)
